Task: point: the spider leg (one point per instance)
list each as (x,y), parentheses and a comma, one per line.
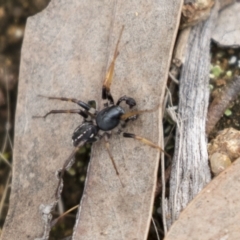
(129,101)
(69,161)
(74,100)
(124,123)
(79,111)
(145,141)
(107,146)
(129,115)
(109,76)
(125,118)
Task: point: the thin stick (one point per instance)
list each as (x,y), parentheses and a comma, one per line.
(155,227)
(65,165)
(53,223)
(163,192)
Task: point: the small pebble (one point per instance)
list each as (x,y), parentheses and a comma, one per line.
(232,60)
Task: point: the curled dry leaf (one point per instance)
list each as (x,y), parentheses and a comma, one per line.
(194,12)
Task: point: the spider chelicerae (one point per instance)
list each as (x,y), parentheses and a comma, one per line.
(99,124)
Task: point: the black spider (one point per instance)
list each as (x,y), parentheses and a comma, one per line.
(99,124)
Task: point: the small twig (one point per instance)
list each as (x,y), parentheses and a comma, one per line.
(64,214)
(4,146)
(159,183)
(163,191)
(5,160)
(7,185)
(155,227)
(173,78)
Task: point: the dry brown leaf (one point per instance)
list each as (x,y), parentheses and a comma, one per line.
(65,53)
(214,213)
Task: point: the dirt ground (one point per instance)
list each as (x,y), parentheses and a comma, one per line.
(13,16)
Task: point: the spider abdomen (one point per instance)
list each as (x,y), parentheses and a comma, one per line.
(109,117)
(85,132)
